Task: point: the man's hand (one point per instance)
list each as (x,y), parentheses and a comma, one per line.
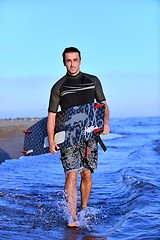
(53,147)
(106,129)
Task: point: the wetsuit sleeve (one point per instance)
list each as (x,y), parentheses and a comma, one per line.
(54,99)
(99,94)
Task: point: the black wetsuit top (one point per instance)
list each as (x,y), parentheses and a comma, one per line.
(76,90)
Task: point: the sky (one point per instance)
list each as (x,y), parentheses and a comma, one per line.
(119,43)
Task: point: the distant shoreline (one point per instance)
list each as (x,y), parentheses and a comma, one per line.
(20,119)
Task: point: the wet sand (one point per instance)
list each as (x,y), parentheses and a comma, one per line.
(12,137)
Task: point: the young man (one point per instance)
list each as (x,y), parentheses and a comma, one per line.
(75,88)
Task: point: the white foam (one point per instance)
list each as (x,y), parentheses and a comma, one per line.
(111,136)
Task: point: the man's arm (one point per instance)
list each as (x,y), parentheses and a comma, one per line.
(50,129)
(106,129)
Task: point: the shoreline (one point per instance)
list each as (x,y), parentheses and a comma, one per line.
(12,137)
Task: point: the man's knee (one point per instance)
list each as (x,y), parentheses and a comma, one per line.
(71,177)
(86,176)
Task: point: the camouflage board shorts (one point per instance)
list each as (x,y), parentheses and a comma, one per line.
(74,157)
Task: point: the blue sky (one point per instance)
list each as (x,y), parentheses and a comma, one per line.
(118,39)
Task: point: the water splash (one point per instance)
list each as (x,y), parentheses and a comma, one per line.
(88,217)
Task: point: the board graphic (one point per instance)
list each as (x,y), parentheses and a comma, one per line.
(73,126)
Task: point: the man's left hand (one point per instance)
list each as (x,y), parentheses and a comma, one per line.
(106,129)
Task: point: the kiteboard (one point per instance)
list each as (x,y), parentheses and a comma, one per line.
(76,125)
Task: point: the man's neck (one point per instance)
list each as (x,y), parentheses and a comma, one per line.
(73,75)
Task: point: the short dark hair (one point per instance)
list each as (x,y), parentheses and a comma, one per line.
(70,50)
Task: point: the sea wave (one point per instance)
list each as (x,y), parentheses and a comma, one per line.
(111,136)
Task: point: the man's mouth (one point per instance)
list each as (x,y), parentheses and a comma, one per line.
(72,68)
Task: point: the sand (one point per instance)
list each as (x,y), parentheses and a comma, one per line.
(12,137)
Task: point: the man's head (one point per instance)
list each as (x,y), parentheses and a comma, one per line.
(72,60)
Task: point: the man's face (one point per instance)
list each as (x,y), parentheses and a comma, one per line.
(72,63)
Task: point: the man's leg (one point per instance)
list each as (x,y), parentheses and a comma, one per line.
(85,187)
(71,195)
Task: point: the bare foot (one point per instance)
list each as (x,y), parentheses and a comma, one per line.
(73,224)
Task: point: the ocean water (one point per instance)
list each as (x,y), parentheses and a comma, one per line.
(125,198)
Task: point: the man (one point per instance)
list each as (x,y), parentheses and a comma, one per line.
(75,88)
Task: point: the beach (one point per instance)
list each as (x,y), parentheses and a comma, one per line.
(12,137)
(125,197)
